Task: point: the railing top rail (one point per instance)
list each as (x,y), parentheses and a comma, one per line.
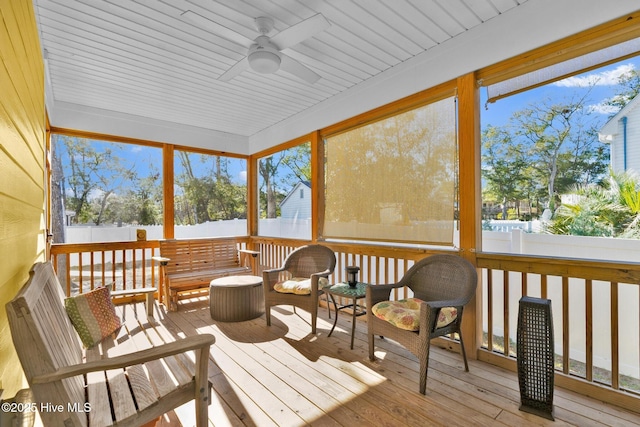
(623,272)
(69,248)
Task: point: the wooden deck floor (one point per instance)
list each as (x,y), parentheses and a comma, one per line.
(284,376)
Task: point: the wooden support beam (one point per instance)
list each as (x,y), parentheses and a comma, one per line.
(469,207)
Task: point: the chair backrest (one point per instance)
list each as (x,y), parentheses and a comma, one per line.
(442,277)
(45,341)
(309,259)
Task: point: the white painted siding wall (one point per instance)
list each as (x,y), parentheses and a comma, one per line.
(633,143)
(296,207)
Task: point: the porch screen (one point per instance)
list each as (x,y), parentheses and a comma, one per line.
(394,179)
(561,70)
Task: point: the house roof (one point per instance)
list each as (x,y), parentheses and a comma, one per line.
(150,69)
(294,190)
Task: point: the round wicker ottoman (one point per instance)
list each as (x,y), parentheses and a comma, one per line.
(236,298)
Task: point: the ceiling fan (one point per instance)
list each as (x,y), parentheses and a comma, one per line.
(264,53)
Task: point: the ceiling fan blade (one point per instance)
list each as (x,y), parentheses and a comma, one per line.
(300,31)
(218,29)
(292,66)
(236,69)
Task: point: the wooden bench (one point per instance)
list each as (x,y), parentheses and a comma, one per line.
(188,265)
(122,381)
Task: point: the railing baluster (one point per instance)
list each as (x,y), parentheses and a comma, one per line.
(80,263)
(68,268)
(589,329)
(615,338)
(490,309)
(123,266)
(565,325)
(91,278)
(505,310)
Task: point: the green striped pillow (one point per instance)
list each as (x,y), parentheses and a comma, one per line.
(93,315)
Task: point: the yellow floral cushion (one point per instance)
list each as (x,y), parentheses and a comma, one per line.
(299,285)
(405,313)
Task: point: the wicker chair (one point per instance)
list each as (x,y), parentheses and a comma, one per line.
(439,281)
(311,261)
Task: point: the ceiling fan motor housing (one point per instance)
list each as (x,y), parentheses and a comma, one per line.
(263,56)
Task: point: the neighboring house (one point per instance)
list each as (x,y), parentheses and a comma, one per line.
(297,204)
(622,131)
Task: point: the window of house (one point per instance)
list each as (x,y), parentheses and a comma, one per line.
(210,195)
(103,190)
(281,176)
(394,179)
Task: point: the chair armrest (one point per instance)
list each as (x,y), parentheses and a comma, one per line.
(315,279)
(270,277)
(320,274)
(377,293)
(187,344)
(447,303)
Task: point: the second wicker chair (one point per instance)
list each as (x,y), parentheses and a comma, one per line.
(306,266)
(442,284)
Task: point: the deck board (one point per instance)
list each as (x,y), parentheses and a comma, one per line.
(284,376)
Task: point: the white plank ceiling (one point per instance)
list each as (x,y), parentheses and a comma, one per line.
(144,58)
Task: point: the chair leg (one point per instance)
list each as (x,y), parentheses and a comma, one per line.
(424,367)
(370,339)
(314,318)
(267,314)
(464,353)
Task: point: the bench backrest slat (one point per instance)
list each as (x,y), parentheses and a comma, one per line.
(45,341)
(199,255)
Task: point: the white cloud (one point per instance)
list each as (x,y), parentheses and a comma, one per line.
(603,78)
(603,109)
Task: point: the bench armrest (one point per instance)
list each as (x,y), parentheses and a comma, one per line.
(249,252)
(161,259)
(190,343)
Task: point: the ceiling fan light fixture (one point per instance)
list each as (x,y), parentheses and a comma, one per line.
(264,61)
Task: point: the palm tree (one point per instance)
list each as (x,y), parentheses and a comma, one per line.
(611,209)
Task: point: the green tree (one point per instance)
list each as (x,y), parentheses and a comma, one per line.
(279,173)
(628,88)
(504,167)
(207,191)
(94,173)
(609,209)
(547,148)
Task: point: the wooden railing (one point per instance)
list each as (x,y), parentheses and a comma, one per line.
(596,319)
(82,267)
(378,264)
(595,304)
(602,294)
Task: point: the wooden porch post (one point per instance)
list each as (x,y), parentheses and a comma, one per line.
(470,201)
(167,191)
(252,197)
(317,185)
